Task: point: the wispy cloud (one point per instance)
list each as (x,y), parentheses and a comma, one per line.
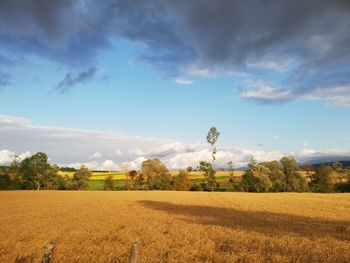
(334,95)
(184,81)
(265,93)
(195,70)
(71,80)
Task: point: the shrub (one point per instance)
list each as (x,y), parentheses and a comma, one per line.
(189,169)
(162,181)
(256,179)
(276,176)
(108,183)
(322,180)
(295,182)
(5,180)
(153,167)
(181,182)
(209,173)
(133,180)
(156,174)
(196,187)
(80,178)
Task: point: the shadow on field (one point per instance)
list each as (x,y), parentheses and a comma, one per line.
(268,223)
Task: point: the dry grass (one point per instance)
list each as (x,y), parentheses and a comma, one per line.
(176,226)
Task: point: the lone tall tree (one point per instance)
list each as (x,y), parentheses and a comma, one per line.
(212,137)
(209,168)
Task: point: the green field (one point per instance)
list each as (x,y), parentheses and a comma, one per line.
(97,180)
(121,175)
(96,185)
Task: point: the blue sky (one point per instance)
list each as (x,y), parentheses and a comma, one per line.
(272,83)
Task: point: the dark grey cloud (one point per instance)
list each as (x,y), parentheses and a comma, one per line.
(72,32)
(60,30)
(313,35)
(154,25)
(71,79)
(234,32)
(224,32)
(222,35)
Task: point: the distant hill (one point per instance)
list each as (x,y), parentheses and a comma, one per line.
(344,163)
(330,159)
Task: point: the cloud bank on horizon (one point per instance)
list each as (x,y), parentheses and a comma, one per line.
(101,150)
(285,50)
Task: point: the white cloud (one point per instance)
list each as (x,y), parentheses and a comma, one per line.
(92,165)
(334,95)
(118,153)
(184,81)
(136,151)
(6,156)
(134,164)
(309,154)
(95,156)
(266,93)
(202,72)
(109,165)
(73,147)
(67,145)
(238,156)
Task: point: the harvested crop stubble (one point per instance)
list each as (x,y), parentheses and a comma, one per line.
(176,226)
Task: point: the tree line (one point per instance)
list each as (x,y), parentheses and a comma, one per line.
(35,172)
(284,175)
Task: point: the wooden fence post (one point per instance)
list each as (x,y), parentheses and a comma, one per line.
(48,251)
(133,253)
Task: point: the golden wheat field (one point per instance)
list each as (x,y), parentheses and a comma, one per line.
(175,226)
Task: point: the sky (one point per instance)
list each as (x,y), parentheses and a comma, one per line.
(111,83)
